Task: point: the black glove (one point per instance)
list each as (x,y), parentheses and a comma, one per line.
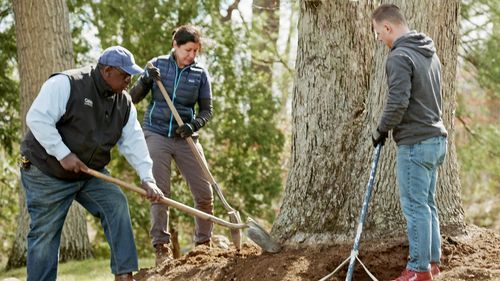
(185,130)
(205,113)
(152,73)
(379,137)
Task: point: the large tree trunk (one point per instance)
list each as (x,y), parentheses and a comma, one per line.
(44,47)
(338,97)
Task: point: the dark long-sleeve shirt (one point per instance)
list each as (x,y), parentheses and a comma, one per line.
(413,108)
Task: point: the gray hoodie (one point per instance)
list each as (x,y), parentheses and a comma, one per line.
(413,108)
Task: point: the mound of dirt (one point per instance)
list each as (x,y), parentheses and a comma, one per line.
(472,256)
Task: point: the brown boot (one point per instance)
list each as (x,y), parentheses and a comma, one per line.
(163,253)
(124,277)
(206,243)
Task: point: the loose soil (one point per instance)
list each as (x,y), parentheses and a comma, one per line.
(472,256)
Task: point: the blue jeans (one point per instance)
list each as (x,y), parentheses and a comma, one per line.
(417,166)
(48,200)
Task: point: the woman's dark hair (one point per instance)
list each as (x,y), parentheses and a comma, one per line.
(185,34)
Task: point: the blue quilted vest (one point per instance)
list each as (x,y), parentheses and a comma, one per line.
(183,87)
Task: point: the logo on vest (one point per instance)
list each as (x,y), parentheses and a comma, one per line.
(191,80)
(88,102)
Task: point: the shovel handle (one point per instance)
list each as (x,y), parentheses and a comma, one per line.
(192,146)
(167,201)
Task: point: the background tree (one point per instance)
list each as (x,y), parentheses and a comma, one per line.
(44,47)
(9,126)
(478,101)
(265,20)
(9,100)
(338,97)
(480,34)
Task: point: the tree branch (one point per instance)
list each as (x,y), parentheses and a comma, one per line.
(469,130)
(230,10)
(274,8)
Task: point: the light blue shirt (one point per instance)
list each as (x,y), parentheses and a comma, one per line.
(50,105)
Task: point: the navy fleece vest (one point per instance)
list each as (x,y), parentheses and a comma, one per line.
(183,87)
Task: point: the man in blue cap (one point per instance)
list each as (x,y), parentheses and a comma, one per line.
(74,122)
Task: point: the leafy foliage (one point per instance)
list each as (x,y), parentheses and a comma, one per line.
(477,138)
(480,39)
(9,207)
(9,127)
(246,142)
(480,177)
(79,25)
(9,99)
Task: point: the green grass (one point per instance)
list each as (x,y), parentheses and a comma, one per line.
(87,270)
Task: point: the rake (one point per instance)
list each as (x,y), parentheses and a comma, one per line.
(355,250)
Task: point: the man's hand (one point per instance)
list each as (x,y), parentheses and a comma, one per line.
(185,130)
(379,137)
(154,193)
(73,163)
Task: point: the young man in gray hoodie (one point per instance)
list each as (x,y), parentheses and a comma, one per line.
(413,113)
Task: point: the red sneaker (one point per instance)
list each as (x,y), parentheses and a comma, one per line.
(410,275)
(435,269)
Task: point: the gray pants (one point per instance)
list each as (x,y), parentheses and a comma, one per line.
(162,151)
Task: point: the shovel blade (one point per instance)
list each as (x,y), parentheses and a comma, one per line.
(261,237)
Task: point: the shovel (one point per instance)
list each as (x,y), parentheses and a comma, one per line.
(234,216)
(255,232)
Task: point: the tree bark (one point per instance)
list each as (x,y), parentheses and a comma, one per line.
(338,97)
(43,47)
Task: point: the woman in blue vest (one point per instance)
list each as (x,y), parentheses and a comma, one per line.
(187,84)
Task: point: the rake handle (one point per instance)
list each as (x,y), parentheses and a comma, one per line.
(364,210)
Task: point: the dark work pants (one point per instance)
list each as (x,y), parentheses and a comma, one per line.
(162,150)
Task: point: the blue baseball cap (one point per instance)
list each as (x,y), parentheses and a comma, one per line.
(120,57)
